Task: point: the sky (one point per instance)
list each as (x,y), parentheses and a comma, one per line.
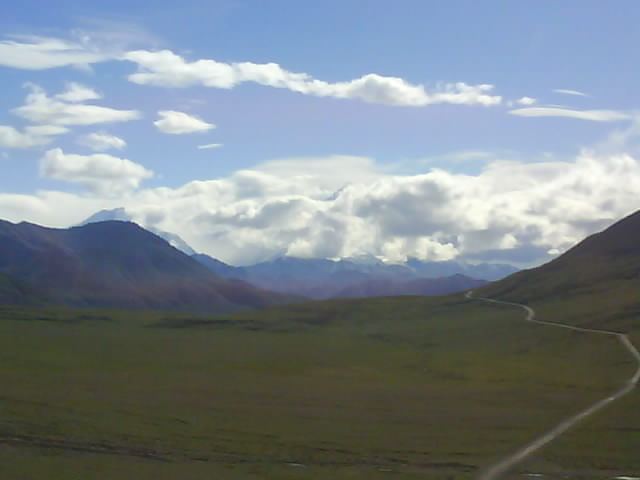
(471,130)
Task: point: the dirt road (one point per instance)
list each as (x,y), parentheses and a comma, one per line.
(507,463)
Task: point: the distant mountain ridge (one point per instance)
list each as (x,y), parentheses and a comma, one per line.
(324,279)
(319,278)
(118,264)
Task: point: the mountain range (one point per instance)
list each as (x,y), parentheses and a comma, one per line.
(114,264)
(319,278)
(367,277)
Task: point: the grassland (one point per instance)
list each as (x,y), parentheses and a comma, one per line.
(610,441)
(392,387)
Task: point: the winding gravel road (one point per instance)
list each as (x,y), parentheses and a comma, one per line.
(501,467)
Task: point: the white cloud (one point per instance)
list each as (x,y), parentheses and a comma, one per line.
(40,108)
(472,155)
(290,206)
(100,173)
(178,123)
(166,69)
(32,136)
(299,206)
(526,101)
(46,130)
(52,208)
(100,142)
(13,138)
(209,146)
(570,92)
(39,53)
(78,93)
(320,172)
(592,115)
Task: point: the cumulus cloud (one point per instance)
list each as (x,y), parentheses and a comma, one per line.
(575,93)
(274,210)
(100,142)
(100,173)
(257,214)
(40,53)
(591,115)
(298,206)
(166,69)
(40,108)
(209,146)
(179,123)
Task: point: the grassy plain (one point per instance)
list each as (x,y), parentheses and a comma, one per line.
(378,388)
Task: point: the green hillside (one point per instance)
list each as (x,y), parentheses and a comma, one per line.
(404,387)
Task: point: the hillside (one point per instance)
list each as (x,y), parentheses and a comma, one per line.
(379,287)
(19,292)
(118,264)
(595,282)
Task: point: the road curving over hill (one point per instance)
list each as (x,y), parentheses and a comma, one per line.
(504,465)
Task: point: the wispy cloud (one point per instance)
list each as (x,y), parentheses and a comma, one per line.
(166,69)
(40,108)
(472,155)
(570,92)
(100,142)
(33,135)
(592,115)
(209,146)
(40,53)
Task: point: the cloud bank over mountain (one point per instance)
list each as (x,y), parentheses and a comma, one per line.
(509,211)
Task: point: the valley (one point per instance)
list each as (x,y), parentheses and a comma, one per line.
(424,387)
(279,240)
(436,387)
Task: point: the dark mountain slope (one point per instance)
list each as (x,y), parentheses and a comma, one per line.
(121,214)
(220,268)
(18,292)
(596,282)
(118,264)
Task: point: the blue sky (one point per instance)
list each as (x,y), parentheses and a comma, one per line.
(477,130)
